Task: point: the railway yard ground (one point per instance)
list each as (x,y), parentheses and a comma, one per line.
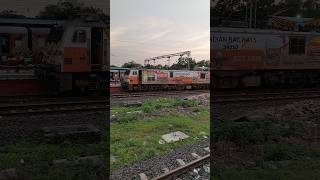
(137,147)
(28,151)
(256,135)
(273,139)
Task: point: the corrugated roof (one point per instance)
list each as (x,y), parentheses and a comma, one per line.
(29,21)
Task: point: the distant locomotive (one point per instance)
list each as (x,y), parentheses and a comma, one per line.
(243,57)
(155,79)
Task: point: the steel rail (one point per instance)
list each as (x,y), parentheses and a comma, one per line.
(183,169)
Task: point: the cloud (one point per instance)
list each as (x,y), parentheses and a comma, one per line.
(152,23)
(200,36)
(157,35)
(116,34)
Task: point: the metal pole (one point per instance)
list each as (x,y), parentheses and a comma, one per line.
(250,20)
(255,14)
(247,13)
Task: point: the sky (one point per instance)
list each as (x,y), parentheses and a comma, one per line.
(142,29)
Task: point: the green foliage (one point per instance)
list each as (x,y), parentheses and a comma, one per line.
(129,117)
(237,10)
(184,63)
(280,152)
(38,160)
(154,105)
(244,133)
(257,132)
(131,64)
(139,140)
(295,170)
(66,9)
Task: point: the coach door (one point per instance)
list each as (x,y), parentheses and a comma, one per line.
(77,50)
(97,45)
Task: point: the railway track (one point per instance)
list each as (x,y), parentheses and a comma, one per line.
(72,104)
(264,96)
(52,107)
(184,169)
(156,93)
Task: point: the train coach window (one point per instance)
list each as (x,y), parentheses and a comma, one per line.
(134,73)
(171,74)
(67,60)
(79,36)
(151,78)
(297,45)
(202,76)
(55,34)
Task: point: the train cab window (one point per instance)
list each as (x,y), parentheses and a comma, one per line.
(134,73)
(79,36)
(151,78)
(18,43)
(55,34)
(171,74)
(297,45)
(67,60)
(202,76)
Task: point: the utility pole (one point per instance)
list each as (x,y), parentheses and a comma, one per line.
(255,13)
(247,13)
(250,19)
(188,55)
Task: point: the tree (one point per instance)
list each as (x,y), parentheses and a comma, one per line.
(184,63)
(205,63)
(68,9)
(10,14)
(131,64)
(236,9)
(159,66)
(311,8)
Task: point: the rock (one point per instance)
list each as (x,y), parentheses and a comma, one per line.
(270,165)
(248,118)
(60,161)
(206,169)
(113,158)
(144,143)
(137,112)
(132,103)
(174,136)
(161,141)
(195,171)
(203,133)
(284,163)
(113,118)
(8,174)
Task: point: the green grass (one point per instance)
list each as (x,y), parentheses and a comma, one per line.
(295,170)
(136,140)
(38,160)
(282,155)
(256,132)
(154,105)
